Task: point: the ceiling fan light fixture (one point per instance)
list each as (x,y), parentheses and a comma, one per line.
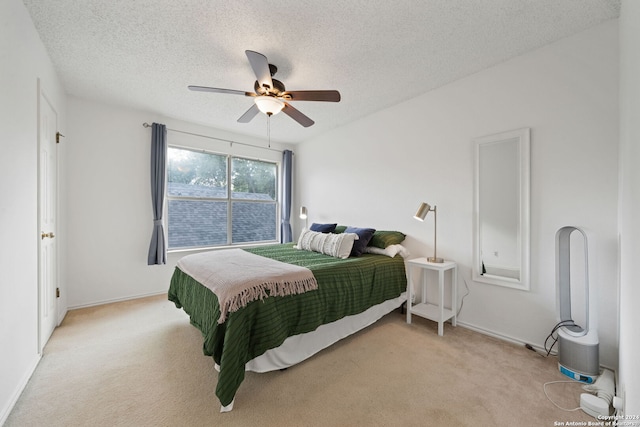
(268,104)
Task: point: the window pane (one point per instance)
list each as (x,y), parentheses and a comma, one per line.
(253,179)
(253,222)
(196,174)
(197,223)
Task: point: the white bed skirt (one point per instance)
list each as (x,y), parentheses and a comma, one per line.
(297,348)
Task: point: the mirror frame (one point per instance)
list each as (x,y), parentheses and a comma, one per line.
(523,141)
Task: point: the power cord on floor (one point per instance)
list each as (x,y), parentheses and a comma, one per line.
(548,349)
(558,406)
(530,347)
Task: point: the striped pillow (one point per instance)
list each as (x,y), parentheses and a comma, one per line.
(335,245)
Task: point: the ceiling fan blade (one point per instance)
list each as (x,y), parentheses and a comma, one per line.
(260,67)
(312,95)
(249,114)
(297,115)
(218,90)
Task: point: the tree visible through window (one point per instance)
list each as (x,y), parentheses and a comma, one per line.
(203,212)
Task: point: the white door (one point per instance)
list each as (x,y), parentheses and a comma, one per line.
(47,179)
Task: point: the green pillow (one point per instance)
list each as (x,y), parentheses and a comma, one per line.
(381,239)
(339,229)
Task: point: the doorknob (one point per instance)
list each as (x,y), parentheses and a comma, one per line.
(50,235)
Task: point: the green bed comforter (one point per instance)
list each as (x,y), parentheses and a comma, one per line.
(345,287)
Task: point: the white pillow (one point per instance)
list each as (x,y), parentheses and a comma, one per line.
(390,251)
(335,245)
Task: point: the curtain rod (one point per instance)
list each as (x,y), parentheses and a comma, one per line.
(147,125)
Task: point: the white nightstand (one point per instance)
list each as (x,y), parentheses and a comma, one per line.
(436,312)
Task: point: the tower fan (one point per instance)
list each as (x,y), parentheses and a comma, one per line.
(578,346)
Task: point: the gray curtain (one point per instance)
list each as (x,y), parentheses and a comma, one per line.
(158,248)
(285,226)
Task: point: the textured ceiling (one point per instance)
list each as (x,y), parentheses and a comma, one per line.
(377,53)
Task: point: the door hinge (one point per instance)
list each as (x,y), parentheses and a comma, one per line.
(58,135)
(57,292)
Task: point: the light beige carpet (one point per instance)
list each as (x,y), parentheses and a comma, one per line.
(140,363)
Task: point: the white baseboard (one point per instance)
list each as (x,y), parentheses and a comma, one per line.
(540,349)
(503,337)
(109,301)
(4,413)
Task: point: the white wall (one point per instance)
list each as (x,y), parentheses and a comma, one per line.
(629,375)
(373,173)
(109,199)
(376,171)
(23,60)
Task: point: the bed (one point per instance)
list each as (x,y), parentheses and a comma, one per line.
(279,331)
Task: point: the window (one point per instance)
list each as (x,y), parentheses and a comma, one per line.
(216,200)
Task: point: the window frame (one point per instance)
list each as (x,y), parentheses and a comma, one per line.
(229,200)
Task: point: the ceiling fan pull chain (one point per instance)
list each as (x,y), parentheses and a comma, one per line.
(269,128)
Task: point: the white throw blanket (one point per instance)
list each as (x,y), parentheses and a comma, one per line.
(238,277)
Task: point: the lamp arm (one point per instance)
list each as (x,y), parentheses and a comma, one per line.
(435,237)
(435,232)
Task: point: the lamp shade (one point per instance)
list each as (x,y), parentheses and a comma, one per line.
(269,104)
(423,210)
(303,212)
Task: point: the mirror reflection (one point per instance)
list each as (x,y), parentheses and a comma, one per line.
(501,209)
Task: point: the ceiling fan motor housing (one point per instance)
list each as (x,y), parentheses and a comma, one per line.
(277,89)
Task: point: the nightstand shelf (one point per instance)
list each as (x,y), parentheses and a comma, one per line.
(436,312)
(431,311)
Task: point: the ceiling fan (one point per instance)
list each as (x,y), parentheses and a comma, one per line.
(270,96)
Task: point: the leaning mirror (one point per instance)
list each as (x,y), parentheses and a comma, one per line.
(501,209)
